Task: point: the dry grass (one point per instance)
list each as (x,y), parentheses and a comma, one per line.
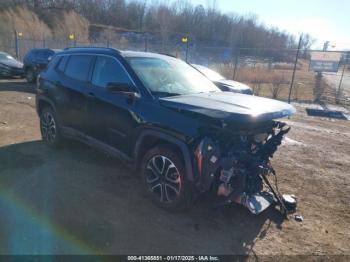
(63,23)
(52,25)
(283,66)
(23,20)
(57,24)
(275,83)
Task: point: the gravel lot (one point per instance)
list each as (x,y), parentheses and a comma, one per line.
(78,201)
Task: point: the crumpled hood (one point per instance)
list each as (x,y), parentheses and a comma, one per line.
(230,106)
(12,63)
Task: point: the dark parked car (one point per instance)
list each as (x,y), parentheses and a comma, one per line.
(9,66)
(36,60)
(223,83)
(160,115)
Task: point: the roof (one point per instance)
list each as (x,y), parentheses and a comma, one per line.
(142,54)
(166,57)
(99,50)
(107,50)
(47,49)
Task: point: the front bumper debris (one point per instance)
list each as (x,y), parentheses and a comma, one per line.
(242,172)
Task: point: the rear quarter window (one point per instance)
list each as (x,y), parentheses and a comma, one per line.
(54,63)
(78,67)
(29,55)
(62,63)
(44,55)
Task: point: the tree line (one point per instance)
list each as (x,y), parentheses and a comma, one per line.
(205,25)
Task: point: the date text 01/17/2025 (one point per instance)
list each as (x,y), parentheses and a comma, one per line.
(173,258)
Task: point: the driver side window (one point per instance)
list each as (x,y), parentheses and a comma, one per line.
(108,70)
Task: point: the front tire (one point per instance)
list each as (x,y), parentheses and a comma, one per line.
(50,131)
(165,180)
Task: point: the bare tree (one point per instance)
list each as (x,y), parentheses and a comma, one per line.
(206,24)
(277,80)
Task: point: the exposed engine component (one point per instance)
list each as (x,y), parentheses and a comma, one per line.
(232,180)
(207,158)
(290,202)
(242,166)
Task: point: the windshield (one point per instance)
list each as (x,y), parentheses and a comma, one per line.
(170,76)
(4,56)
(211,74)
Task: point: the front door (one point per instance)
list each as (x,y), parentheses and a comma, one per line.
(110,114)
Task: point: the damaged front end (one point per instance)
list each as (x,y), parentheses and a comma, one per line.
(236,165)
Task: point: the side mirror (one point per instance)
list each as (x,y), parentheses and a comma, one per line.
(121,88)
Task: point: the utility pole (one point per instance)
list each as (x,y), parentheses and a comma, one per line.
(325,45)
(108,36)
(295,67)
(235,69)
(16,44)
(340,83)
(318,79)
(146,41)
(187,49)
(185,41)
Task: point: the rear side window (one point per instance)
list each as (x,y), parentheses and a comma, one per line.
(47,54)
(30,54)
(62,64)
(78,67)
(108,70)
(43,55)
(53,63)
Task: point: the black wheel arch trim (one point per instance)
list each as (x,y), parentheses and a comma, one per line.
(45,100)
(40,99)
(172,140)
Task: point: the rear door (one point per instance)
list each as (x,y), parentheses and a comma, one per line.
(72,91)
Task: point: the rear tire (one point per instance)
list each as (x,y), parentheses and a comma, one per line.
(50,130)
(30,75)
(165,180)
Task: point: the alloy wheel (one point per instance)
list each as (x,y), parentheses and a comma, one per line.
(163,179)
(48,127)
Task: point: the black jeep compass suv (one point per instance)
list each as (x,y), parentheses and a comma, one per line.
(162,116)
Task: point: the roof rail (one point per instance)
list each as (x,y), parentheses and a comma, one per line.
(167,54)
(82,47)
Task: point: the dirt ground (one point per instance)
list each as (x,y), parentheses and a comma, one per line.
(78,201)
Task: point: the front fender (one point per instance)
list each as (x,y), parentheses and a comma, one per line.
(170,139)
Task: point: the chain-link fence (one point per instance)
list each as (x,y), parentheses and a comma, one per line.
(268,71)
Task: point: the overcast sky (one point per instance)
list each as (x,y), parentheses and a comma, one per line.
(325,20)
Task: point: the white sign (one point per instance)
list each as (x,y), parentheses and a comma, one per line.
(325,61)
(326,56)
